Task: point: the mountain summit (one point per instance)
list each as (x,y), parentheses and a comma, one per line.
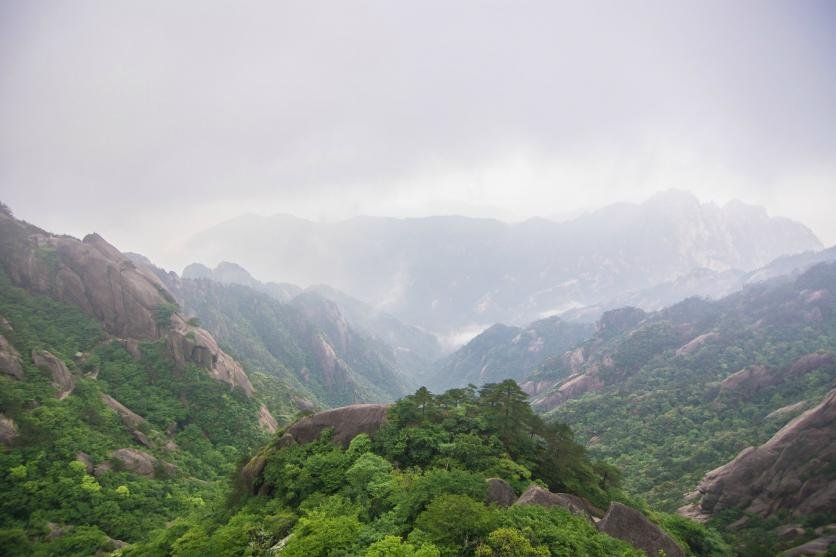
(449,273)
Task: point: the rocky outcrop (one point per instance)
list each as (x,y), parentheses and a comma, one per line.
(500,493)
(85,459)
(142,463)
(818,546)
(266,420)
(749,380)
(536,495)
(633,527)
(695,344)
(348,422)
(754,378)
(10,362)
(195,345)
(128,416)
(787,473)
(8,430)
(129,300)
(62,379)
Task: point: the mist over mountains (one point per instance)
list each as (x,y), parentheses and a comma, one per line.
(450,274)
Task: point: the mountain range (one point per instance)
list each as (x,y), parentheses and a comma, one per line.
(452,274)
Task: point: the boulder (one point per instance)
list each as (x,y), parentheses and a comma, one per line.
(8,430)
(102,468)
(195,345)
(266,420)
(62,379)
(348,422)
(10,363)
(818,546)
(85,459)
(536,495)
(140,462)
(107,285)
(750,379)
(633,527)
(787,473)
(500,493)
(129,417)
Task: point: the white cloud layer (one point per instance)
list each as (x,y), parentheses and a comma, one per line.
(148,120)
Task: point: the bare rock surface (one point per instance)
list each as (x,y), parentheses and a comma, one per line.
(61,376)
(126,298)
(266,420)
(8,430)
(633,527)
(10,362)
(129,417)
(140,462)
(85,459)
(536,495)
(500,493)
(347,421)
(818,546)
(787,473)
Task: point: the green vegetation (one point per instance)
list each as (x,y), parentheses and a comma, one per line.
(192,422)
(305,360)
(503,352)
(665,416)
(416,488)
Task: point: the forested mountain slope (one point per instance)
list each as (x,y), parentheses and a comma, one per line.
(463,473)
(306,342)
(504,352)
(116,414)
(781,494)
(414,349)
(669,395)
(450,273)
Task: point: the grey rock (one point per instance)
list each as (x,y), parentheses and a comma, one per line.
(348,422)
(10,362)
(8,430)
(633,527)
(818,546)
(61,376)
(784,474)
(500,493)
(536,495)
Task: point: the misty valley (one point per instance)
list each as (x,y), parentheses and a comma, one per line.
(679,405)
(417,279)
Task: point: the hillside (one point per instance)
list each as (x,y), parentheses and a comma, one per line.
(450,274)
(503,352)
(116,414)
(670,395)
(414,349)
(779,495)
(706,283)
(463,473)
(306,342)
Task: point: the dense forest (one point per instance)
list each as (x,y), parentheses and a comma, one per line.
(77,475)
(418,487)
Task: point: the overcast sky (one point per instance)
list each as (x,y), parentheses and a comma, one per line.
(147,121)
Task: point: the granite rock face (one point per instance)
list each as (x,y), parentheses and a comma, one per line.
(128,300)
(10,363)
(536,495)
(8,430)
(500,493)
(787,473)
(141,463)
(62,379)
(348,422)
(633,527)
